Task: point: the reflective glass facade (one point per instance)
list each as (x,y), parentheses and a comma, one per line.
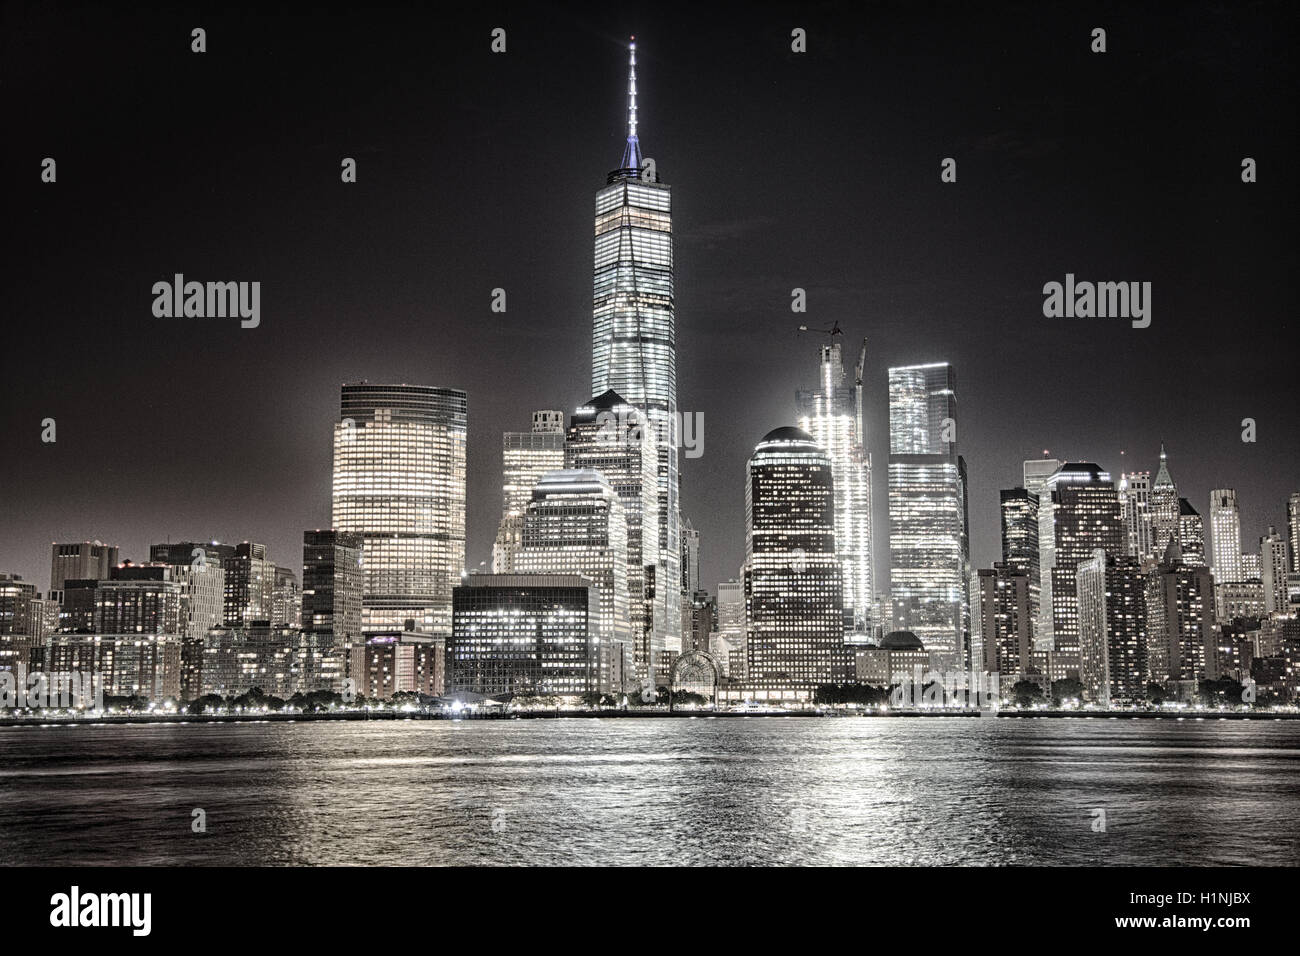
(1085,517)
(522,634)
(793,583)
(575,524)
(929,547)
(611,437)
(832,414)
(634,337)
(399,481)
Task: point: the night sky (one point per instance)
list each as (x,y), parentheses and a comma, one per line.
(476,171)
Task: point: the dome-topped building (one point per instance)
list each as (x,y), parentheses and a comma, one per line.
(901,641)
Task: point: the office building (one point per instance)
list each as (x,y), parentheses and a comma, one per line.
(575,524)
(525,458)
(87,560)
(929,546)
(832,413)
(1111,593)
(332,588)
(615,440)
(525,635)
(399,481)
(634,328)
(793,586)
(1085,516)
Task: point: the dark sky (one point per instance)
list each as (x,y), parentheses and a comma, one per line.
(478,171)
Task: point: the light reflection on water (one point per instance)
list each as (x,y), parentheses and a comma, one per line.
(653,792)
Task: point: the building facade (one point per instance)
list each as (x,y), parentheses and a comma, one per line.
(793,585)
(332,588)
(832,414)
(634,328)
(614,439)
(1135,500)
(1113,639)
(1225,536)
(86,560)
(1002,608)
(929,544)
(525,634)
(525,458)
(399,481)
(575,524)
(1085,516)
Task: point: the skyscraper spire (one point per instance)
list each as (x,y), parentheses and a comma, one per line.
(1163,478)
(632,152)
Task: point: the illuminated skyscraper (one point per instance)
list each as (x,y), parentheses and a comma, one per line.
(1191,533)
(1112,627)
(634,330)
(1085,517)
(1019,508)
(1164,507)
(575,524)
(1272,560)
(249,585)
(1225,536)
(832,414)
(399,480)
(1293,530)
(332,583)
(1180,623)
(525,458)
(1002,616)
(929,549)
(1036,472)
(611,437)
(1135,500)
(793,586)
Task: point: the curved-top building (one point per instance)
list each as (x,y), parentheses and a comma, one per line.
(793,585)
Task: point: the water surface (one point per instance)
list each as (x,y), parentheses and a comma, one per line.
(890,791)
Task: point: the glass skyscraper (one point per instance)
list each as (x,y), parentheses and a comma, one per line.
(523,634)
(929,543)
(634,330)
(1191,532)
(1135,501)
(611,437)
(1085,517)
(525,458)
(399,481)
(332,588)
(575,524)
(832,414)
(793,585)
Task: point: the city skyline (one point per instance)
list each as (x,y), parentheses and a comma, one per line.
(126,492)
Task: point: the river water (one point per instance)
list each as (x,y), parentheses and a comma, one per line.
(756,790)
